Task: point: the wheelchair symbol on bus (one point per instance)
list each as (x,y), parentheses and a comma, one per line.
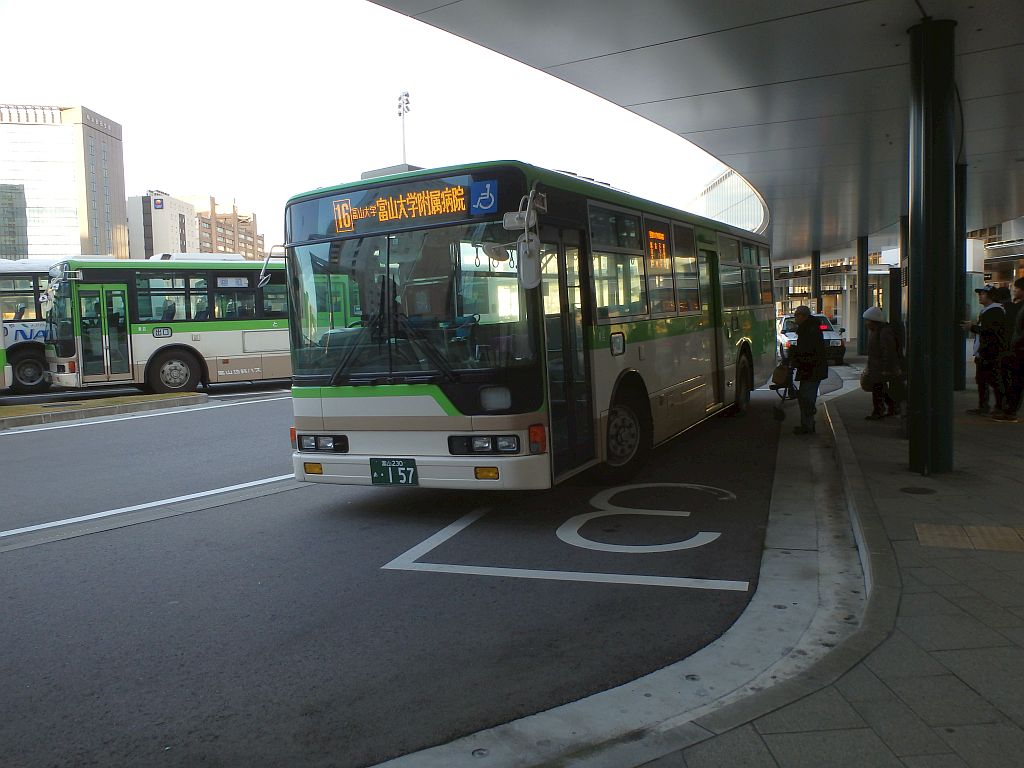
(482,197)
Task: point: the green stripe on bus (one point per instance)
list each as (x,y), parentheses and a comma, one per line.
(381,390)
(198,326)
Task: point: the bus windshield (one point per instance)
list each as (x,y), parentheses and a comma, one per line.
(401,307)
(60,325)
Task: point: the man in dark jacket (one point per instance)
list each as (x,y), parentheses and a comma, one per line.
(1014,360)
(989,343)
(810,359)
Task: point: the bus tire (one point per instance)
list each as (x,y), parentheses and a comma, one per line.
(173,371)
(28,367)
(744,386)
(628,438)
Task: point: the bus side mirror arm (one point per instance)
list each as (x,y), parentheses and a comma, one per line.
(264,274)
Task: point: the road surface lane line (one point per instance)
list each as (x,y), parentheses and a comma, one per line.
(148,415)
(147,505)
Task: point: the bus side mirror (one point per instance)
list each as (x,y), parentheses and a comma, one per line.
(528,258)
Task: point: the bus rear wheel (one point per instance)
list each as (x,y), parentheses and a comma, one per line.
(628,439)
(28,368)
(173,371)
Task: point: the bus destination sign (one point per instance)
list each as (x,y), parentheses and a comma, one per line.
(395,207)
(415,203)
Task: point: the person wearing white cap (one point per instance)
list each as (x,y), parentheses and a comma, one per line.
(883,368)
(989,343)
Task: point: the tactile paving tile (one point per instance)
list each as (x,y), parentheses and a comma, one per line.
(932,535)
(998,537)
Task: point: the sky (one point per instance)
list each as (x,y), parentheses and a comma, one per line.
(257,102)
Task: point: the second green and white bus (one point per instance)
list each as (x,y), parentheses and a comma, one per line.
(168,324)
(517,326)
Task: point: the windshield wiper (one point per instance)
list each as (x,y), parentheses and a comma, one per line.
(417,339)
(354,346)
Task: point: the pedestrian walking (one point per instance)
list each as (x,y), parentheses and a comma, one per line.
(989,343)
(1013,381)
(810,359)
(883,369)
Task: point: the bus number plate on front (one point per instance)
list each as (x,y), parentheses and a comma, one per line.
(393,472)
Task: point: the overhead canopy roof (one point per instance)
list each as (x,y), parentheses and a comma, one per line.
(807,100)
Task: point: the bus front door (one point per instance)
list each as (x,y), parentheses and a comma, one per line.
(103,313)
(711,320)
(569,391)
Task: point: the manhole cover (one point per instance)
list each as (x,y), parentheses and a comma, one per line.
(918,491)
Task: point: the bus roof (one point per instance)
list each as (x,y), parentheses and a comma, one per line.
(9,266)
(166,265)
(560,179)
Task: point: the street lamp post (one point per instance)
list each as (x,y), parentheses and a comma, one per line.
(403,109)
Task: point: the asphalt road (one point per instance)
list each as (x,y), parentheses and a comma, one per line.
(285,624)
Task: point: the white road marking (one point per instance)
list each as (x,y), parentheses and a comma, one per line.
(146,415)
(147,505)
(407,561)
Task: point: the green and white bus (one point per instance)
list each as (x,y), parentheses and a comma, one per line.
(169,323)
(22,309)
(517,326)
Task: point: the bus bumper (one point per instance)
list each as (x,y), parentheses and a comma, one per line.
(514,472)
(64,379)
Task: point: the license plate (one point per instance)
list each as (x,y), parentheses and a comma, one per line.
(393,472)
(836,343)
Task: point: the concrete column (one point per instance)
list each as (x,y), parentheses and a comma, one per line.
(815,299)
(931,311)
(960,359)
(863,294)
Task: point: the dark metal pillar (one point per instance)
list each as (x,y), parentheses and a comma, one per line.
(960,289)
(931,312)
(815,302)
(863,294)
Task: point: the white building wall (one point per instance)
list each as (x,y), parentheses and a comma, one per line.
(174,226)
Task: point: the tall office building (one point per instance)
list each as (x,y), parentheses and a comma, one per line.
(229,232)
(61,183)
(159,223)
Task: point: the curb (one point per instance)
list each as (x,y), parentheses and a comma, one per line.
(882,584)
(73,414)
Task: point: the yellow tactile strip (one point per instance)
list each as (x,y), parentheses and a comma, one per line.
(991,537)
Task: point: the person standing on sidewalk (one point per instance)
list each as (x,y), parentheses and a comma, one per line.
(810,359)
(989,343)
(1014,360)
(883,364)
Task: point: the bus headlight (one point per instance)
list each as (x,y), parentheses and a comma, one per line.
(508,444)
(482,444)
(326,443)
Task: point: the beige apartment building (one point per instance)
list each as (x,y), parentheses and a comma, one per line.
(61,183)
(229,232)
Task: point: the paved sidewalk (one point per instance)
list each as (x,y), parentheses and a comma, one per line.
(943,686)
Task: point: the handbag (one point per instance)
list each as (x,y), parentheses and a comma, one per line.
(781,374)
(865,381)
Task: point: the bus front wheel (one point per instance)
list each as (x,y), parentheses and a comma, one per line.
(628,439)
(28,367)
(174,371)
